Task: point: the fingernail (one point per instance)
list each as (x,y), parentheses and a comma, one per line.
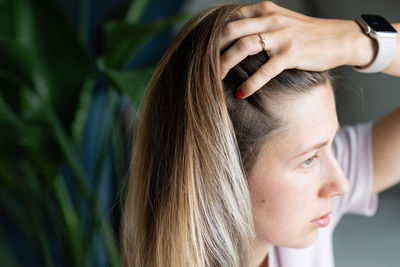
(212,78)
(239,93)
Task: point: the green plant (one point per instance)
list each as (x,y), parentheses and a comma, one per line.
(46,83)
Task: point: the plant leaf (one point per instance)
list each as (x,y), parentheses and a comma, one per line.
(6,19)
(82,112)
(123,40)
(132,83)
(8,115)
(136,10)
(15,62)
(54,60)
(69,151)
(71,220)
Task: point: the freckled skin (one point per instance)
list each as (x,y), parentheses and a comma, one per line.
(287,194)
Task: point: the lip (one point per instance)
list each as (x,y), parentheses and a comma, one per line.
(323,220)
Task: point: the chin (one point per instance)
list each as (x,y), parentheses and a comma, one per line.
(304,241)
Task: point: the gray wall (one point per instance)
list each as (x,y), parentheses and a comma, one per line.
(363,96)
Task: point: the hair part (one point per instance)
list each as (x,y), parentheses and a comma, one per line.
(257,119)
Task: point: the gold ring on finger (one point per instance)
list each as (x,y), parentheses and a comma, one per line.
(263,42)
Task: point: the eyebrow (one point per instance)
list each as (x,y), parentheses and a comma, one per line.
(315,147)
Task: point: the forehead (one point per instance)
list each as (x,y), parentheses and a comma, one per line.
(315,109)
(307,118)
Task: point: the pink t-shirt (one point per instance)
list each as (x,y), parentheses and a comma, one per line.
(353,150)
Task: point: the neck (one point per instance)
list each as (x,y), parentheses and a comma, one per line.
(259,254)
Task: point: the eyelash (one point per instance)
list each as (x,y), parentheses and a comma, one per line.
(312,158)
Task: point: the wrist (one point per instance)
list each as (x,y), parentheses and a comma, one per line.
(361,48)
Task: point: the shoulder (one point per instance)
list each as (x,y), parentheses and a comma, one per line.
(351,141)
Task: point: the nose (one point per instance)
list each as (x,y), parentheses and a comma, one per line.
(335,182)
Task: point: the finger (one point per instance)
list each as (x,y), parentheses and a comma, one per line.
(265,8)
(245,27)
(244,47)
(264,74)
(259,9)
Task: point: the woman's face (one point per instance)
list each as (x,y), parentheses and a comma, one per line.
(296,176)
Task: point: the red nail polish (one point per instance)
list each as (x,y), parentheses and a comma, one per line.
(239,93)
(212,78)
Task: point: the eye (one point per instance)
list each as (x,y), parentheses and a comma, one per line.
(309,161)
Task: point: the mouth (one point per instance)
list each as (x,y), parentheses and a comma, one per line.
(323,220)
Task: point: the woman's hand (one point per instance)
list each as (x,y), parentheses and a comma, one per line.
(292,40)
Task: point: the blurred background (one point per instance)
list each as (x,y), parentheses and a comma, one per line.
(72,74)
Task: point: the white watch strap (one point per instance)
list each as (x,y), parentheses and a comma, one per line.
(385,55)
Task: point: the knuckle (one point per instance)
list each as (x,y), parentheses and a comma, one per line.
(230,29)
(290,48)
(266,71)
(291,40)
(245,44)
(288,34)
(267,5)
(278,18)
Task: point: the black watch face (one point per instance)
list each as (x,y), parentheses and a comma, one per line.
(378,23)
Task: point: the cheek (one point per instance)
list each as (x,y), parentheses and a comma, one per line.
(281,205)
(282,193)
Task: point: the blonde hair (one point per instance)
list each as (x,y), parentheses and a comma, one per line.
(187,201)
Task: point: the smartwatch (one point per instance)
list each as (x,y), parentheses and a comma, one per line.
(380,29)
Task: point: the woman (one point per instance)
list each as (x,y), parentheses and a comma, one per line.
(221,181)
